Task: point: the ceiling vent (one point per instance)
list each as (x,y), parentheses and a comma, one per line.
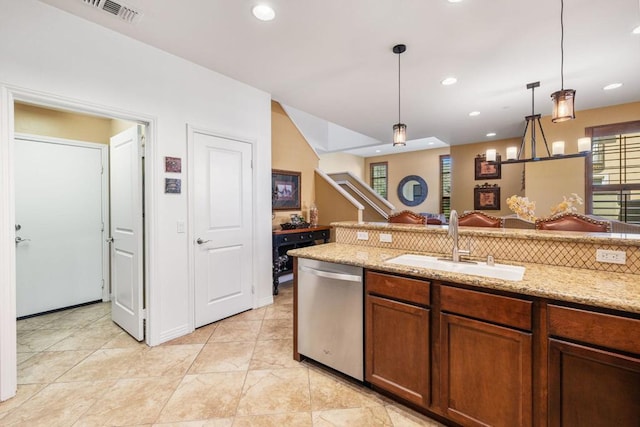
(116,8)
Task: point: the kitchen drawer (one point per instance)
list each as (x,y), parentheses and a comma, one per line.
(492,308)
(606,330)
(401,288)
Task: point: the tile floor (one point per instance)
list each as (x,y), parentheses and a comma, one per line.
(77,368)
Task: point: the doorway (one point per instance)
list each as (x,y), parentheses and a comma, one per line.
(11,96)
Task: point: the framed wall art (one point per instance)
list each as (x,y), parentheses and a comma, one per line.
(173,164)
(485,169)
(285,190)
(486,197)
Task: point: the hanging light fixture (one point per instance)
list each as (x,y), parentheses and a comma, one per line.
(399,129)
(563,108)
(532,121)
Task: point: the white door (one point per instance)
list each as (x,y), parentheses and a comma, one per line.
(59,210)
(127,232)
(222,203)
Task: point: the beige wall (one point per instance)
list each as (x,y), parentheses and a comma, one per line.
(341,208)
(546,182)
(60,124)
(425,163)
(291,152)
(342,162)
(463,175)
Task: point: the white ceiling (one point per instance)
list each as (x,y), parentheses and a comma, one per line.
(333,58)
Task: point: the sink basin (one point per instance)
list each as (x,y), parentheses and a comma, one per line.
(498,271)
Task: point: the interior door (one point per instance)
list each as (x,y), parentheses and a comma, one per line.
(127,232)
(222,198)
(59,197)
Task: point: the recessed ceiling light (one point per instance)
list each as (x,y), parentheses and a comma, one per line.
(449,81)
(490,134)
(636,30)
(430,143)
(612,86)
(474,113)
(263,12)
(455,1)
(377,151)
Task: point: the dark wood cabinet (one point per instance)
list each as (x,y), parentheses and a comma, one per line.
(485,373)
(595,382)
(284,240)
(397,357)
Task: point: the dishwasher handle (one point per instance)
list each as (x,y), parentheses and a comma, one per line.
(332,275)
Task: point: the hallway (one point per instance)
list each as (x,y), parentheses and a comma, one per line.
(77,368)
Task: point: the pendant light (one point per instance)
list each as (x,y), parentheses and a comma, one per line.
(399,129)
(563,108)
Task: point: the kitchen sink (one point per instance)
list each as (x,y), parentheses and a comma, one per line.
(498,271)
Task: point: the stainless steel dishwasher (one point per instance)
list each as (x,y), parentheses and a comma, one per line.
(330,315)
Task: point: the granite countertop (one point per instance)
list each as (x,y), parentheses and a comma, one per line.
(616,291)
(621,239)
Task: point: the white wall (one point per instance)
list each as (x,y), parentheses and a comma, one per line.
(47,50)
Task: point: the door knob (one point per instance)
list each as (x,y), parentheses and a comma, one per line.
(200,241)
(18,227)
(109,240)
(21,240)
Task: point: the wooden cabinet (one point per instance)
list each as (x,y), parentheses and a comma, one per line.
(595,382)
(485,362)
(397,336)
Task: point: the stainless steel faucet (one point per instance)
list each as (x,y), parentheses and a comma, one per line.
(453,232)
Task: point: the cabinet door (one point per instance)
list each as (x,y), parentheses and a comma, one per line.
(485,373)
(397,348)
(590,387)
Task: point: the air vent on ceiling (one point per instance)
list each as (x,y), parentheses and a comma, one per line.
(119,9)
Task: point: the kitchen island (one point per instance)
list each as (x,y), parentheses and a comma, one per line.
(559,347)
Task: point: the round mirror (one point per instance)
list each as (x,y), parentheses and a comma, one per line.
(412,190)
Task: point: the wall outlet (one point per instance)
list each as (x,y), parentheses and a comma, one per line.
(363,235)
(385,238)
(611,257)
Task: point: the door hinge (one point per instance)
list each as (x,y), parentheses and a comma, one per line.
(101,170)
(102,227)
(251,163)
(144,314)
(102,283)
(253,289)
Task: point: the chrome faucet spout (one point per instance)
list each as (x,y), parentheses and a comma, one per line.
(453,232)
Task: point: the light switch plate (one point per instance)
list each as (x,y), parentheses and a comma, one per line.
(385,238)
(363,235)
(611,257)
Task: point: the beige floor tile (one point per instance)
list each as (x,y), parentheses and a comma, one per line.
(329,391)
(355,417)
(131,402)
(103,364)
(255,314)
(124,340)
(273,354)
(215,422)
(204,396)
(279,311)
(39,322)
(274,329)
(275,391)
(245,330)
(22,357)
(163,361)
(297,419)
(47,366)
(41,339)
(85,339)
(23,394)
(59,404)
(223,357)
(404,417)
(199,336)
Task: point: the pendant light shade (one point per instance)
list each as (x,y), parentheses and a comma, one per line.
(399,129)
(563,108)
(563,105)
(399,134)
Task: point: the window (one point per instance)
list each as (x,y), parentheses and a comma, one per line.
(613,178)
(445,184)
(378,177)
